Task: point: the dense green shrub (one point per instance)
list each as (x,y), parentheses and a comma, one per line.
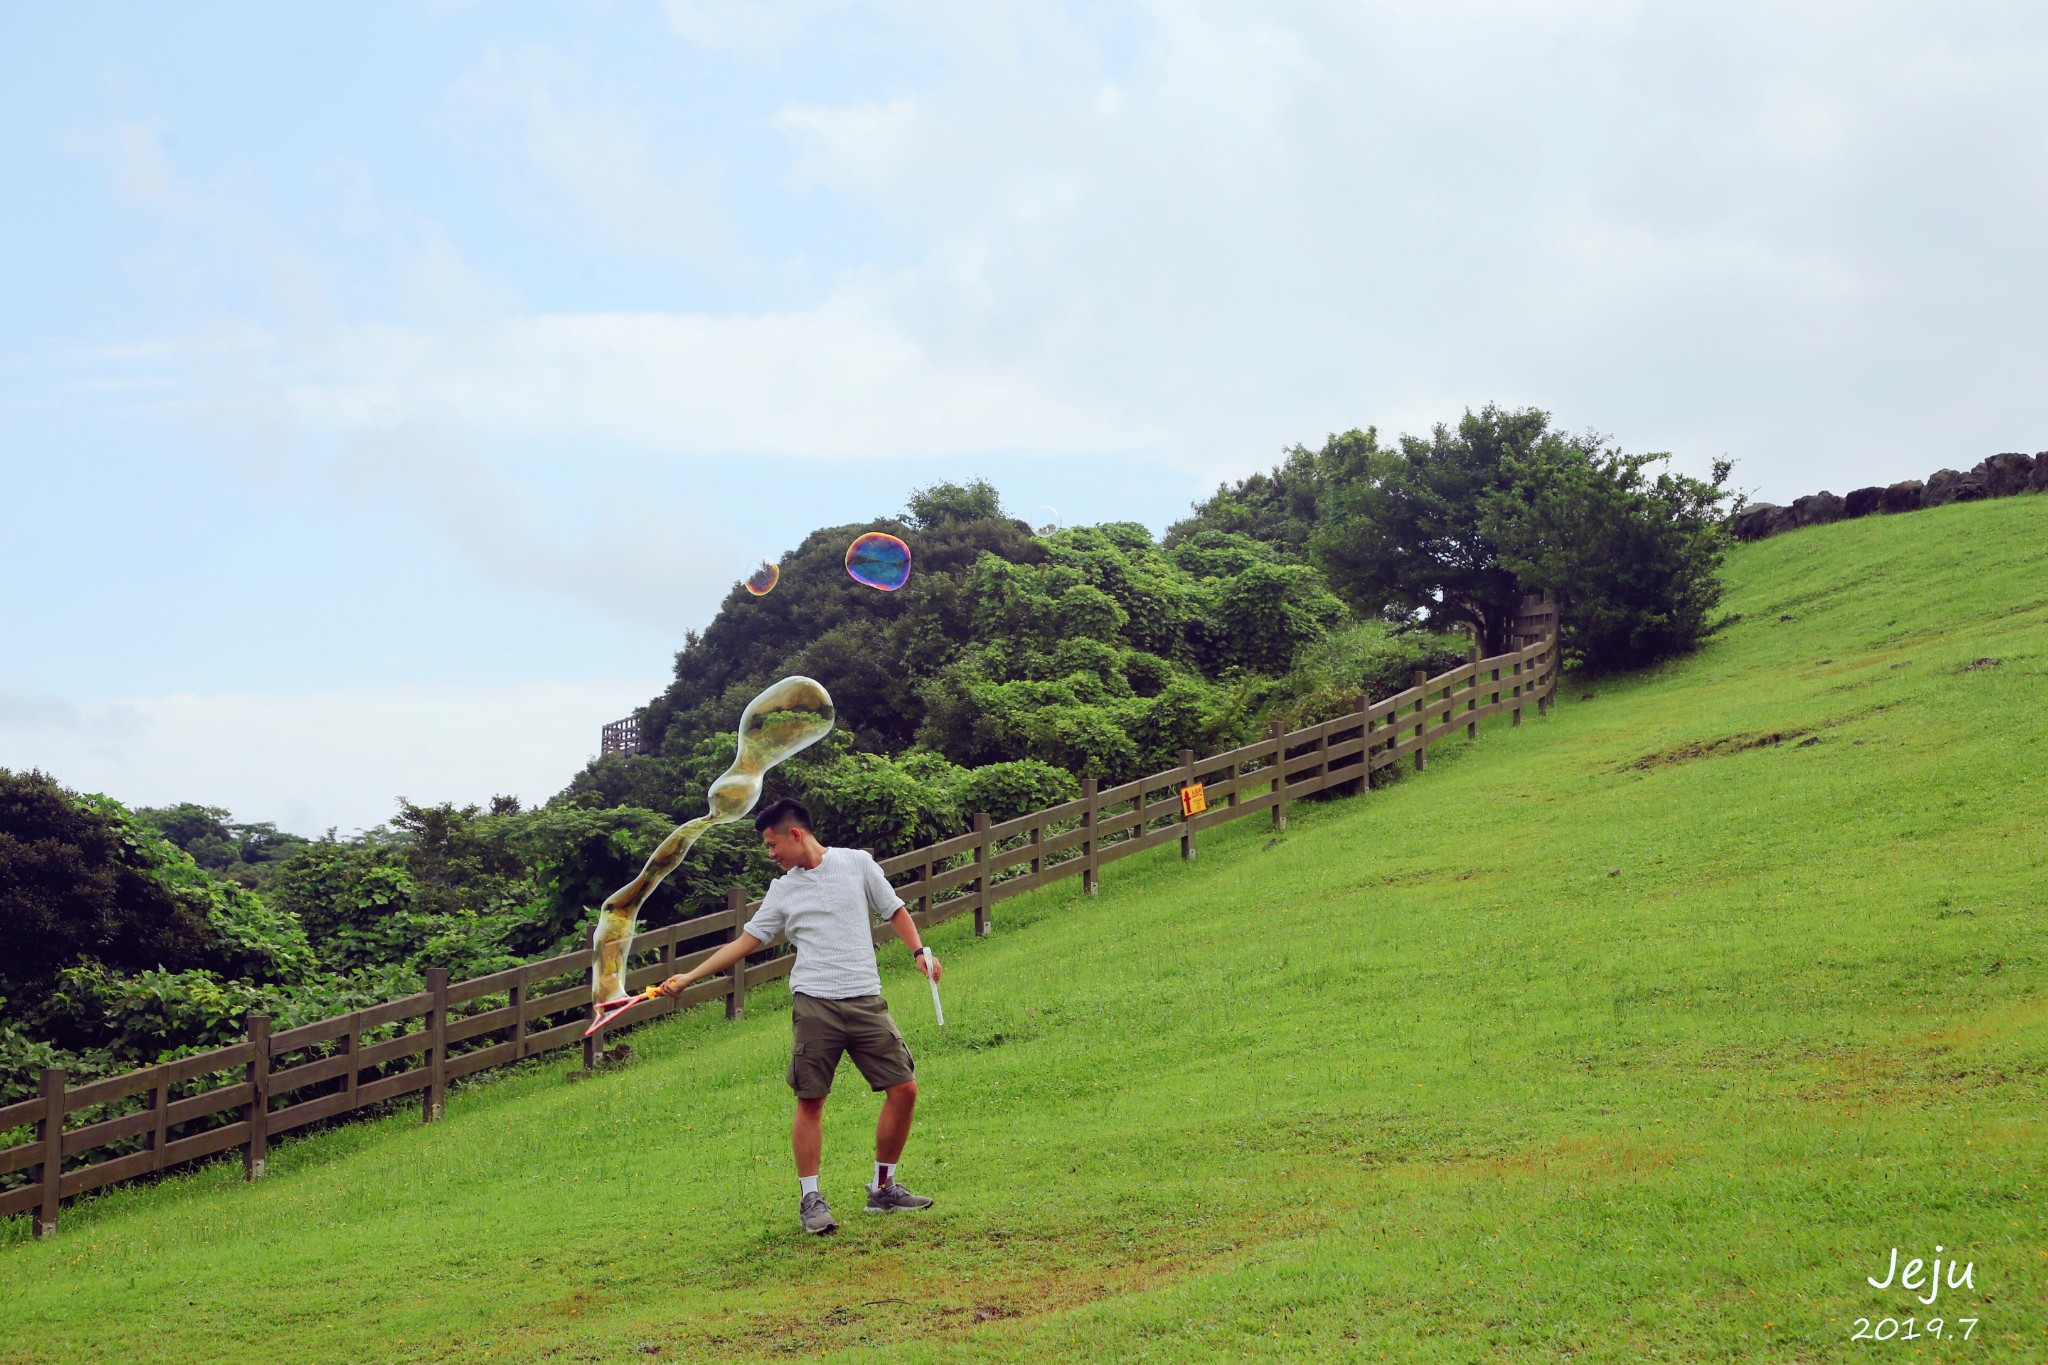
(1008,790)
(1370,658)
(242,853)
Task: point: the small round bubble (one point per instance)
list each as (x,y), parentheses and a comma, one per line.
(762,581)
(1046,520)
(879,560)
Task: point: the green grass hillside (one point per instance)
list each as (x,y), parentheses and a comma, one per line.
(1644,1031)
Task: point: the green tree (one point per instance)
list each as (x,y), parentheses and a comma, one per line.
(1404,530)
(881,645)
(1280,508)
(84,880)
(239,852)
(1634,558)
(936,504)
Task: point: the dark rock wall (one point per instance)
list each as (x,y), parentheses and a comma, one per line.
(1998,477)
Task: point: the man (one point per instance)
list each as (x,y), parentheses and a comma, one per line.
(836,996)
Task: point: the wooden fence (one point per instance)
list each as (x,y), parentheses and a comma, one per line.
(242,1096)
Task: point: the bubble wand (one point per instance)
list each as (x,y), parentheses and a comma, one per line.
(786,718)
(602,1016)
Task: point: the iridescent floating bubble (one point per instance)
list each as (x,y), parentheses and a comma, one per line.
(789,716)
(1046,519)
(763,580)
(879,560)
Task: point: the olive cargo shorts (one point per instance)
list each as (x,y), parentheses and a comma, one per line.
(860,1027)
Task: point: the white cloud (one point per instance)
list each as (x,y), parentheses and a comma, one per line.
(593,150)
(313,760)
(214,235)
(838,381)
(746,23)
(1787,235)
(658,567)
(1722,228)
(866,148)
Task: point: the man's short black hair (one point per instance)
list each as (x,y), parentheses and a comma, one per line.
(785,811)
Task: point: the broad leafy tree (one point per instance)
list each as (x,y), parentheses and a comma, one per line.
(72,887)
(1454,528)
(1403,530)
(1633,555)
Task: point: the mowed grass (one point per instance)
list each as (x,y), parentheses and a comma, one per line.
(1644,1031)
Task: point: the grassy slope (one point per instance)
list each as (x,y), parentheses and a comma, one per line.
(1547,1056)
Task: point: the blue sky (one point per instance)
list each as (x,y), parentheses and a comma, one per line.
(385,389)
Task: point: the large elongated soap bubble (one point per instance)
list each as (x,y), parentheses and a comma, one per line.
(785,719)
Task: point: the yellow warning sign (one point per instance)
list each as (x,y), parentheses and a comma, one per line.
(1193,800)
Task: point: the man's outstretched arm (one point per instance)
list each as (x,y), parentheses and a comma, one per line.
(713,965)
(906,929)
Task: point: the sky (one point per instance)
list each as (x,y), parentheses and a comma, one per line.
(386,389)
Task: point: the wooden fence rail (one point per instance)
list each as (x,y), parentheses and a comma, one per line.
(246,1094)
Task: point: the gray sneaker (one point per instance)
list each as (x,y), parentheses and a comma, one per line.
(816,1214)
(893,1198)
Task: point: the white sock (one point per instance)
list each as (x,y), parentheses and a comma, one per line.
(885,1171)
(809,1183)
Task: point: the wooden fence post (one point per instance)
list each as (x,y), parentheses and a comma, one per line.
(353,1044)
(1276,735)
(1421,721)
(1472,697)
(1037,838)
(159,1101)
(1364,710)
(256,1151)
(1089,866)
(515,999)
(1516,694)
(52,1135)
(590,1042)
(736,989)
(437,1045)
(981,851)
(1187,822)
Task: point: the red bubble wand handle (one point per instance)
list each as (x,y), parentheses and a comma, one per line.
(609,1012)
